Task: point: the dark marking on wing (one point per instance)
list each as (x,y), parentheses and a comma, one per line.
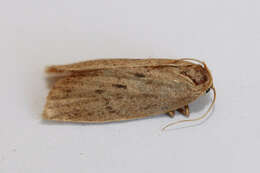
(109,108)
(119,86)
(99,91)
(139,75)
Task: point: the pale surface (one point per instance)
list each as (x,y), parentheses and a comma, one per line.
(226,34)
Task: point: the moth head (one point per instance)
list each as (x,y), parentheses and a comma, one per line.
(198,74)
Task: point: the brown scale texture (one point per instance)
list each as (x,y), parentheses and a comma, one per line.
(120,89)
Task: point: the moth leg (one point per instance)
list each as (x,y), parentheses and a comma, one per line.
(184,110)
(171,114)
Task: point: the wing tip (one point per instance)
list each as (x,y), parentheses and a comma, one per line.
(52,69)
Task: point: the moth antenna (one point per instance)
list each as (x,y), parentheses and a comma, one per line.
(193,59)
(195,119)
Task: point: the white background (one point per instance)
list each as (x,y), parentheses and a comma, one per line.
(223,33)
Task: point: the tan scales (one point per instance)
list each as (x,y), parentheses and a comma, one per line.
(122,89)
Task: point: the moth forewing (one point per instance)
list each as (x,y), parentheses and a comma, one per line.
(123,89)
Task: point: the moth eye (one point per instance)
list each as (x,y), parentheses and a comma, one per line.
(208,90)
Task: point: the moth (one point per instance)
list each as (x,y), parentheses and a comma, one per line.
(106,90)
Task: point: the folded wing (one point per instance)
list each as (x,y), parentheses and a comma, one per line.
(115,94)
